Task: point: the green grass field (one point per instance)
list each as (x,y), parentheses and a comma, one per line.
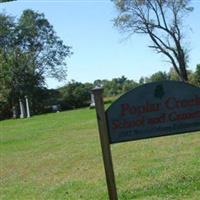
(58,156)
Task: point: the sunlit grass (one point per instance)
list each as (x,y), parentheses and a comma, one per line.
(58,156)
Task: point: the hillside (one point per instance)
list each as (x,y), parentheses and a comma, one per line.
(58,156)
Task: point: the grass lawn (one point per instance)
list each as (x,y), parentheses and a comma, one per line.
(58,156)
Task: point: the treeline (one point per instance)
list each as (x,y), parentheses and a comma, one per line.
(76,94)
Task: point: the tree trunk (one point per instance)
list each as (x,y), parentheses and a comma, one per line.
(183,66)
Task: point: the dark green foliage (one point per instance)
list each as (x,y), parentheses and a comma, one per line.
(30,51)
(38,38)
(197,75)
(116,86)
(3,1)
(4,110)
(75,95)
(173,75)
(159,76)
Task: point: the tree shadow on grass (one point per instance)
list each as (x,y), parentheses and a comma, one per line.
(170,189)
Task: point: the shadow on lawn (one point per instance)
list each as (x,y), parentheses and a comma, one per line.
(171,189)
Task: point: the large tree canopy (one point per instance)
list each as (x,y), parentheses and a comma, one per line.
(3,1)
(161,20)
(30,51)
(38,41)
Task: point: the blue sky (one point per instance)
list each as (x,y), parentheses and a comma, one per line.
(100,50)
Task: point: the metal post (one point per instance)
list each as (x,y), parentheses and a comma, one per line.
(105,146)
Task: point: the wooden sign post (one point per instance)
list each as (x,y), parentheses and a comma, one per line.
(151,110)
(105,146)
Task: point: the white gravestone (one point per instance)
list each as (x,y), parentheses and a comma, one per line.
(14,112)
(27,107)
(92,104)
(21,109)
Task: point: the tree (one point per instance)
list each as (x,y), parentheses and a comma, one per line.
(161,20)
(142,80)
(30,51)
(7,27)
(76,94)
(39,41)
(116,86)
(159,76)
(197,74)
(195,77)
(173,75)
(3,1)
(129,85)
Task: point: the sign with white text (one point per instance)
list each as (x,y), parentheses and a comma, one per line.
(154,109)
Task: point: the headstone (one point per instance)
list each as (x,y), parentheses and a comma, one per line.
(21,109)
(14,112)
(56,108)
(27,107)
(92,104)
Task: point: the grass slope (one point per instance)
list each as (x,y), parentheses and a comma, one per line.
(58,156)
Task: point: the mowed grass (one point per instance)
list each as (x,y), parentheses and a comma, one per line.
(58,156)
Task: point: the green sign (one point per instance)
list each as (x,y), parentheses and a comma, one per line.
(154,109)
